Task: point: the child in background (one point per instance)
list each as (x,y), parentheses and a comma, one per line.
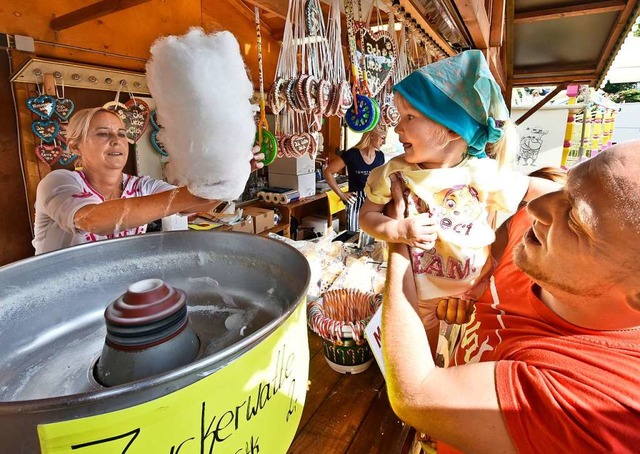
(449,111)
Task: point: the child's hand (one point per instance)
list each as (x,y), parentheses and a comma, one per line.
(418,231)
(455,310)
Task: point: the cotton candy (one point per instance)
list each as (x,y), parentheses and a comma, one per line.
(202,93)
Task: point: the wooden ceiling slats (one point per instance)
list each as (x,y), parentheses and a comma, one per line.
(581,9)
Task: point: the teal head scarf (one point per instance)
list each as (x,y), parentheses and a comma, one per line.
(461,94)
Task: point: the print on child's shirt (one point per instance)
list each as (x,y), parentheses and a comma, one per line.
(452,267)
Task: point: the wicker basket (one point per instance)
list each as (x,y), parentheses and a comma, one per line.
(339,318)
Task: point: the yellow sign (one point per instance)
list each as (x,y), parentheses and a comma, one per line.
(252,405)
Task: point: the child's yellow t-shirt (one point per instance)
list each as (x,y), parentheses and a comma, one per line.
(460,198)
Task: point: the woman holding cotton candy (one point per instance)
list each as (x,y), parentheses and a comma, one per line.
(100,201)
(359,161)
(449,111)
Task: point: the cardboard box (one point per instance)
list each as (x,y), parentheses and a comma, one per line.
(263,218)
(319,224)
(305,183)
(246,225)
(293,166)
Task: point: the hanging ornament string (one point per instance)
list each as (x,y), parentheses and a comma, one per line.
(266,140)
(351,37)
(263,117)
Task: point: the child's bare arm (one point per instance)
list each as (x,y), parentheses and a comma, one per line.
(417,231)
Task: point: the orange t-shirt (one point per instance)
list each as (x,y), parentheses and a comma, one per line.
(561,388)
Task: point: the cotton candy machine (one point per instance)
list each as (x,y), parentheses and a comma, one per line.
(216,359)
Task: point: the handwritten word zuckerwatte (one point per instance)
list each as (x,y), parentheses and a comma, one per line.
(253,404)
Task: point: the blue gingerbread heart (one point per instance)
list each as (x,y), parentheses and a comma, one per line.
(157,146)
(64,108)
(154,120)
(43,105)
(46,130)
(67,157)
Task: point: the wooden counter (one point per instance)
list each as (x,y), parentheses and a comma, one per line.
(347,413)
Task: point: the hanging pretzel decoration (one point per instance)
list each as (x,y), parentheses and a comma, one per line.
(266,140)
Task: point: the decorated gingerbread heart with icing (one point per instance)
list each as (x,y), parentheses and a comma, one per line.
(48,153)
(43,105)
(135,116)
(138,112)
(301,143)
(64,108)
(379,56)
(46,129)
(67,156)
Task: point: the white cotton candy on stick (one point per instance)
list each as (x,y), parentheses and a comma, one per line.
(202,92)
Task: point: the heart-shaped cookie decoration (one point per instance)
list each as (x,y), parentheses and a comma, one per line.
(139,113)
(301,143)
(156,144)
(67,156)
(379,57)
(324,95)
(135,116)
(46,129)
(43,105)
(64,108)
(48,153)
(153,119)
(62,136)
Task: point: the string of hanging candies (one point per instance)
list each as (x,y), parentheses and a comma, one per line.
(307,88)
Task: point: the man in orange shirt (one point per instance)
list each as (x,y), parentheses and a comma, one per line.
(551,357)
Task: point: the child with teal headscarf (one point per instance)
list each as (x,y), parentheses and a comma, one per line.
(449,111)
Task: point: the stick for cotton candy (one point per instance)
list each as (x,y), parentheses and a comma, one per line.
(202,94)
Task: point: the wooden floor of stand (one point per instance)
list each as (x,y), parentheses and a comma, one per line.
(346,413)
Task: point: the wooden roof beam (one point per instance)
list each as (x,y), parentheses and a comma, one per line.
(542,102)
(475,18)
(582,9)
(496,34)
(411,9)
(551,80)
(616,37)
(555,70)
(91,12)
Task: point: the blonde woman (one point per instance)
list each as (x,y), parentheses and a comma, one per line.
(359,161)
(100,201)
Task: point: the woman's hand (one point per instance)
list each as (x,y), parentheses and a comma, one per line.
(348,198)
(256,160)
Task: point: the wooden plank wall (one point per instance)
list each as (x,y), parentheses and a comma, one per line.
(15,233)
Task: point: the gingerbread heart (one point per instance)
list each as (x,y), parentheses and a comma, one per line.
(62,136)
(153,119)
(138,112)
(67,156)
(48,153)
(300,144)
(118,108)
(157,145)
(46,130)
(323,95)
(135,116)
(379,57)
(64,108)
(43,105)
